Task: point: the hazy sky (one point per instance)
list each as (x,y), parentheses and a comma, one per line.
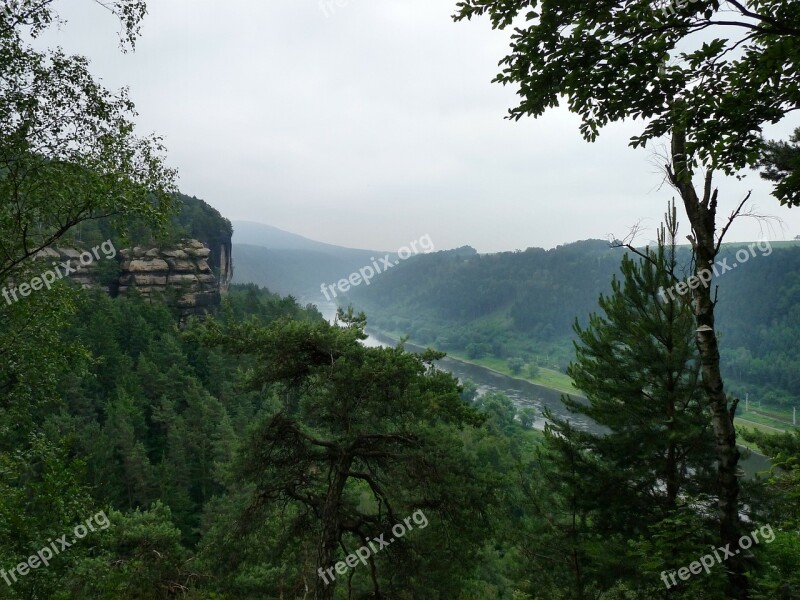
(373,123)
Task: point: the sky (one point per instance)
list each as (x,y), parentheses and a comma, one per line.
(370,123)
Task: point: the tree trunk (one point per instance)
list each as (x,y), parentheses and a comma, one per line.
(331,529)
(702,216)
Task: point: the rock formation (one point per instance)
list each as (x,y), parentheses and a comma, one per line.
(179,274)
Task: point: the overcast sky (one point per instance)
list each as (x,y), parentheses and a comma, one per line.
(373,123)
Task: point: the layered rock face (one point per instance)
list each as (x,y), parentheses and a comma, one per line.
(181,274)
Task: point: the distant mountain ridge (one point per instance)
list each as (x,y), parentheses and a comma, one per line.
(291,264)
(261,234)
(288,263)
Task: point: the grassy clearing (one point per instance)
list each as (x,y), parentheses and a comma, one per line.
(782,416)
(759,422)
(546,377)
(762,422)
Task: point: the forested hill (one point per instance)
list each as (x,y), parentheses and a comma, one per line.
(524,303)
(536,292)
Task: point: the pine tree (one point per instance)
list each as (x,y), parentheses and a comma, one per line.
(637,366)
(359,439)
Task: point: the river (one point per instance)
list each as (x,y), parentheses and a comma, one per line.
(523,393)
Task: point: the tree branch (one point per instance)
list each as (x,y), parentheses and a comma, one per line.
(733,216)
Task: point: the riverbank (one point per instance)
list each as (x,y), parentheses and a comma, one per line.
(547,378)
(755,421)
(560,382)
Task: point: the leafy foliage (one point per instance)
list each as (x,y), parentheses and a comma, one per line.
(718,70)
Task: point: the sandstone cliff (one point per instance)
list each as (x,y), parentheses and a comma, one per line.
(181,275)
(188,275)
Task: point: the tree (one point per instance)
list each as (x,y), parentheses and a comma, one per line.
(780,162)
(778,503)
(702,212)
(533,371)
(358,438)
(68,152)
(639,370)
(527,417)
(500,408)
(469,391)
(620,59)
(642,59)
(68,155)
(782,506)
(515,364)
(138,557)
(41,497)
